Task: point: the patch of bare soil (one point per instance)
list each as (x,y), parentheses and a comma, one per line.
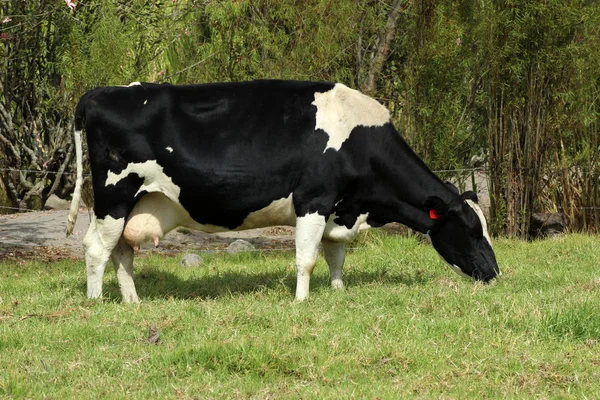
(41,236)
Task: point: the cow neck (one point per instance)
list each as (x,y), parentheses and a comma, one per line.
(409,183)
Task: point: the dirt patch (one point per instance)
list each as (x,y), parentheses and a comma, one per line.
(41,236)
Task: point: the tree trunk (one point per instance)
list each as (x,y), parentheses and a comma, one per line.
(382,48)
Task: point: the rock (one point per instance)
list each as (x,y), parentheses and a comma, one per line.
(191,260)
(56,203)
(547,225)
(239,246)
(153,335)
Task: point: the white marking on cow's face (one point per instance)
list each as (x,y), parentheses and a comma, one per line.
(479,213)
(342,109)
(155,180)
(279,212)
(169,149)
(458,270)
(339,233)
(145,102)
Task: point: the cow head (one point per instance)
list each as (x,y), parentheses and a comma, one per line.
(459,234)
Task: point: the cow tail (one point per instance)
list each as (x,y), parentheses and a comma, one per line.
(79,121)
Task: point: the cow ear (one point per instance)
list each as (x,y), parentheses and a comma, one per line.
(436,207)
(469,195)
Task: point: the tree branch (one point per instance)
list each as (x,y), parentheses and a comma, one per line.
(382,47)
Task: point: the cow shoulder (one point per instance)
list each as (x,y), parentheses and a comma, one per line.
(342,109)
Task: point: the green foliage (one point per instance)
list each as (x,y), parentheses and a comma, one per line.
(100,56)
(225,41)
(533,56)
(514,83)
(32,104)
(440,79)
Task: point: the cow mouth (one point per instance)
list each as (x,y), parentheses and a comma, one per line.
(484,278)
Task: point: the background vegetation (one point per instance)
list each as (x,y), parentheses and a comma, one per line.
(509,85)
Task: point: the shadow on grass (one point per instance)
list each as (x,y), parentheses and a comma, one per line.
(160,284)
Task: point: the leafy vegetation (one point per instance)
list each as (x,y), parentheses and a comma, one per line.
(405,326)
(510,85)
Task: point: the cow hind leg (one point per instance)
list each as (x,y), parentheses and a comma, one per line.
(335,254)
(122,258)
(309,231)
(99,242)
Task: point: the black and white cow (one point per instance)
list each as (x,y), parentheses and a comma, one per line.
(232,156)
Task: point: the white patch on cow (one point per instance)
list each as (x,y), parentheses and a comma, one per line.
(479,213)
(458,270)
(134,84)
(155,180)
(339,233)
(99,241)
(364,225)
(342,109)
(169,149)
(309,231)
(122,258)
(145,102)
(335,254)
(279,212)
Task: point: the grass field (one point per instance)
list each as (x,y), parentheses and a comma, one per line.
(406,326)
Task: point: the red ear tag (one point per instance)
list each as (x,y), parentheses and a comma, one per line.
(433,214)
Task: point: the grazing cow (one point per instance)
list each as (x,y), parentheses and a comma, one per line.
(231,156)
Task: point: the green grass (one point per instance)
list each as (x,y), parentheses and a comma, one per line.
(405,327)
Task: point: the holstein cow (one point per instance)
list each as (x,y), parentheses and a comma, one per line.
(232,156)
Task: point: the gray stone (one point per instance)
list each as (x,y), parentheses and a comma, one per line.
(191,260)
(239,246)
(56,203)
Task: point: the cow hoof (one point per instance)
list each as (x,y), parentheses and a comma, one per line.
(131,300)
(337,284)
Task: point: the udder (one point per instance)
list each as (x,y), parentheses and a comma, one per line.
(151,219)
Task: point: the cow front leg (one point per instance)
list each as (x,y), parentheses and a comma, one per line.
(99,242)
(122,258)
(309,231)
(335,254)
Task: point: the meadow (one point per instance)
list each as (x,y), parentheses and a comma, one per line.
(406,326)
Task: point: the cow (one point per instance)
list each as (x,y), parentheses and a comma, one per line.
(241,155)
